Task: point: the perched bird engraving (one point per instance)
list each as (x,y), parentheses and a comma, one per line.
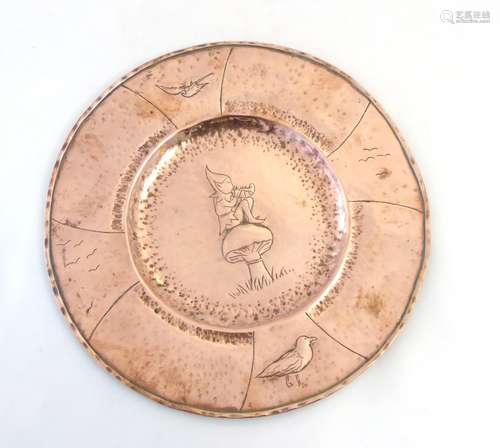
(187,90)
(292,362)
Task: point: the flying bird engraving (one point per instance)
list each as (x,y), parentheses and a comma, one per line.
(187,90)
(291,362)
(373,157)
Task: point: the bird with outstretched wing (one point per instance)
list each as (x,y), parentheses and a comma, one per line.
(187,90)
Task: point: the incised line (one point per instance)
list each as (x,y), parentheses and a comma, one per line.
(83,228)
(110,308)
(152,104)
(336,340)
(388,203)
(251,371)
(350,133)
(223,77)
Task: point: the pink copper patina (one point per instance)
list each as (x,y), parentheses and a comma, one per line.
(236,229)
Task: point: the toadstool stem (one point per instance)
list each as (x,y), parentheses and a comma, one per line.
(258,271)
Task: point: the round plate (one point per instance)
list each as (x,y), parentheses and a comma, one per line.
(236,229)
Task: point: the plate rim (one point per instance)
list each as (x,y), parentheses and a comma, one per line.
(417,286)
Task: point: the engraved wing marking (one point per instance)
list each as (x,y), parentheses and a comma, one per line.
(290,362)
(187,90)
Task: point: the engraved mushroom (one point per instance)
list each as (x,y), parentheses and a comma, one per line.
(247,243)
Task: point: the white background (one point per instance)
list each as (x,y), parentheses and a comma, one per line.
(438,385)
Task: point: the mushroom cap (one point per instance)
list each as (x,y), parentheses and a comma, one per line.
(246,242)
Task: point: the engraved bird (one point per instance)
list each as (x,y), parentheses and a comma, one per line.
(292,362)
(187,90)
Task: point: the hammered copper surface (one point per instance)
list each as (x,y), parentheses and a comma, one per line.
(236,229)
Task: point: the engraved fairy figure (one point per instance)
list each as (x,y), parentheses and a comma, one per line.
(233,205)
(244,238)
